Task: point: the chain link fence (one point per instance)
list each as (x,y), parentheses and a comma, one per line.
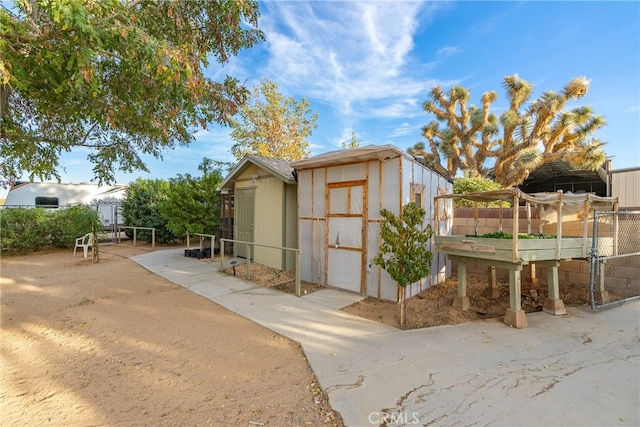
(614,260)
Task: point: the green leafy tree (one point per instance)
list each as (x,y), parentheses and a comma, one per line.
(403,252)
(141,208)
(272,125)
(353,143)
(525,136)
(193,203)
(121,78)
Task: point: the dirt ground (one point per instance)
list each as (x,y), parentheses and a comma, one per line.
(265,276)
(110,343)
(433,306)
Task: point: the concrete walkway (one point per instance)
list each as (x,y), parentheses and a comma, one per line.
(582,369)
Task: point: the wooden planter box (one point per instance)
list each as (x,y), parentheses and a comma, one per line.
(528,250)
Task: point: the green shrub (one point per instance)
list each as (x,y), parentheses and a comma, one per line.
(475,185)
(27,230)
(70,223)
(24,230)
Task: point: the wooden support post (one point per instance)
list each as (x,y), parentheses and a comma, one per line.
(553,304)
(585,226)
(515,316)
(475,217)
(492,291)
(516,220)
(462,300)
(514,289)
(532,273)
(559,227)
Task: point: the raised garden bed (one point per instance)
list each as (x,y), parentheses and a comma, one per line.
(513,251)
(528,250)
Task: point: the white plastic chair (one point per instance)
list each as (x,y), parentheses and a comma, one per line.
(85,242)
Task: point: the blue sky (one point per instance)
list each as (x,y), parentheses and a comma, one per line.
(368,67)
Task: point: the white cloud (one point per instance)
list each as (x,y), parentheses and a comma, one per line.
(448,50)
(403,130)
(346,54)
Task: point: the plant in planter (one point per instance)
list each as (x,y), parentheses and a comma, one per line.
(503,235)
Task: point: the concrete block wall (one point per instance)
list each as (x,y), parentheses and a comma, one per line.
(489,221)
(569,272)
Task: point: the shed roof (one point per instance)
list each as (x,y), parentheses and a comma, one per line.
(349,155)
(355,155)
(278,167)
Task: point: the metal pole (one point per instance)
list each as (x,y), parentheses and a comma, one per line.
(153,238)
(593,257)
(298,273)
(221,252)
(248,251)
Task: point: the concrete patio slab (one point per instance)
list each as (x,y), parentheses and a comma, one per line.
(580,369)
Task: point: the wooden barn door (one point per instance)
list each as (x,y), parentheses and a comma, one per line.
(346,235)
(243,212)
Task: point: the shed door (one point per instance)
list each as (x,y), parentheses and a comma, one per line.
(346,235)
(243,218)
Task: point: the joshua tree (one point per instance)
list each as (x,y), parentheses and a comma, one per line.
(525,136)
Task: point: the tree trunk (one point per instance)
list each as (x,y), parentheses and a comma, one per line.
(403,306)
(95,254)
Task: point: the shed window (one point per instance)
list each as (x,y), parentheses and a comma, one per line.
(47,202)
(417,192)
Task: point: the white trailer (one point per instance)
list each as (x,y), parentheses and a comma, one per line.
(105,198)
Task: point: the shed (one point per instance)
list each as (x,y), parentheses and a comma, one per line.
(625,185)
(264,209)
(105,198)
(340,195)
